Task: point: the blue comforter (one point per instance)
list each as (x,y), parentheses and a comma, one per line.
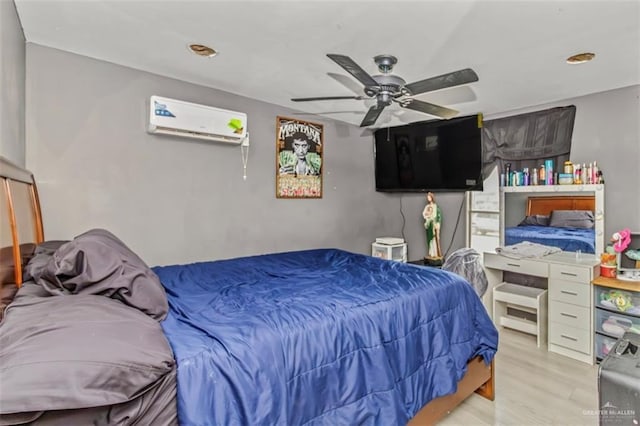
(318,337)
(567,239)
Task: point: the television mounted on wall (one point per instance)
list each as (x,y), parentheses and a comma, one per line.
(439,155)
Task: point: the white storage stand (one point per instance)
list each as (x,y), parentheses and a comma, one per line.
(397,252)
(522,298)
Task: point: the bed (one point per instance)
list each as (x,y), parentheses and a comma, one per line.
(567,238)
(307,337)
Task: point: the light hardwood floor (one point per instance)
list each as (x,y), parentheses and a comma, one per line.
(533,387)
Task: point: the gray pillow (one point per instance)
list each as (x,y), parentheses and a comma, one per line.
(536,219)
(97,262)
(41,255)
(572,219)
(62,353)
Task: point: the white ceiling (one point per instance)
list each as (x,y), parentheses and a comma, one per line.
(276,50)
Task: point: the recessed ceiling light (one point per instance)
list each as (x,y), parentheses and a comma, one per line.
(202,50)
(580,58)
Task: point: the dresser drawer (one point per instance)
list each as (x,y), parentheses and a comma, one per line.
(573,338)
(522,266)
(571,273)
(571,315)
(570,292)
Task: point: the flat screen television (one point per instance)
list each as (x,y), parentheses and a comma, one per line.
(442,155)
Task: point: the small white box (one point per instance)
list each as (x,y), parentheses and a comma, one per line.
(397,252)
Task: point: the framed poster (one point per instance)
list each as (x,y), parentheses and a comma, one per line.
(298,158)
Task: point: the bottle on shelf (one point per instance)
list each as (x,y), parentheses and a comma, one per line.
(568,167)
(548,165)
(542,179)
(507,174)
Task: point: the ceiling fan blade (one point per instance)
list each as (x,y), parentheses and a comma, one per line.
(328,98)
(437,110)
(354,69)
(451,79)
(372,115)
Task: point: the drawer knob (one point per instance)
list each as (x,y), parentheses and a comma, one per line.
(569,274)
(513,264)
(564,314)
(571,293)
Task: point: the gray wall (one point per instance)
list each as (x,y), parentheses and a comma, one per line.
(12,88)
(607,130)
(176,200)
(414,233)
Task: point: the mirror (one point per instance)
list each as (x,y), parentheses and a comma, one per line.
(629,260)
(538,202)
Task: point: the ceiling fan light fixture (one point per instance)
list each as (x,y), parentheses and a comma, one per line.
(385,63)
(580,58)
(202,50)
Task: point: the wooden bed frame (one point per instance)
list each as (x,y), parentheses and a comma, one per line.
(479,378)
(545,205)
(25,230)
(20,227)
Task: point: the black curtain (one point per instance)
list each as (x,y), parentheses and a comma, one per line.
(526,140)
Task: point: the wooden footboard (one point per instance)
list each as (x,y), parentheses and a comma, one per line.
(479,378)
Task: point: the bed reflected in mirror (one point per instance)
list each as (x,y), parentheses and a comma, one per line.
(568,221)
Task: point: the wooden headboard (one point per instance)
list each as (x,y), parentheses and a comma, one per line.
(20,224)
(545,205)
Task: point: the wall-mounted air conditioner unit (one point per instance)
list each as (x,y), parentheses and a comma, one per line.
(179,118)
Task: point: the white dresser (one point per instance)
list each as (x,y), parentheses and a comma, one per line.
(568,325)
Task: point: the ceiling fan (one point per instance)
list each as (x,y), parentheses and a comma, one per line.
(387,87)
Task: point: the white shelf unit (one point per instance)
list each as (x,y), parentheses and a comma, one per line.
(609,314)
(397,252)
(521,298)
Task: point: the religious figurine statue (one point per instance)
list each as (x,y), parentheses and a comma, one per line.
(432,221)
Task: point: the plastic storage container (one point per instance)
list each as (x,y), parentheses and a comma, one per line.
(604,345)
(623,301)
(617,312)
(565,179)
(614,324)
